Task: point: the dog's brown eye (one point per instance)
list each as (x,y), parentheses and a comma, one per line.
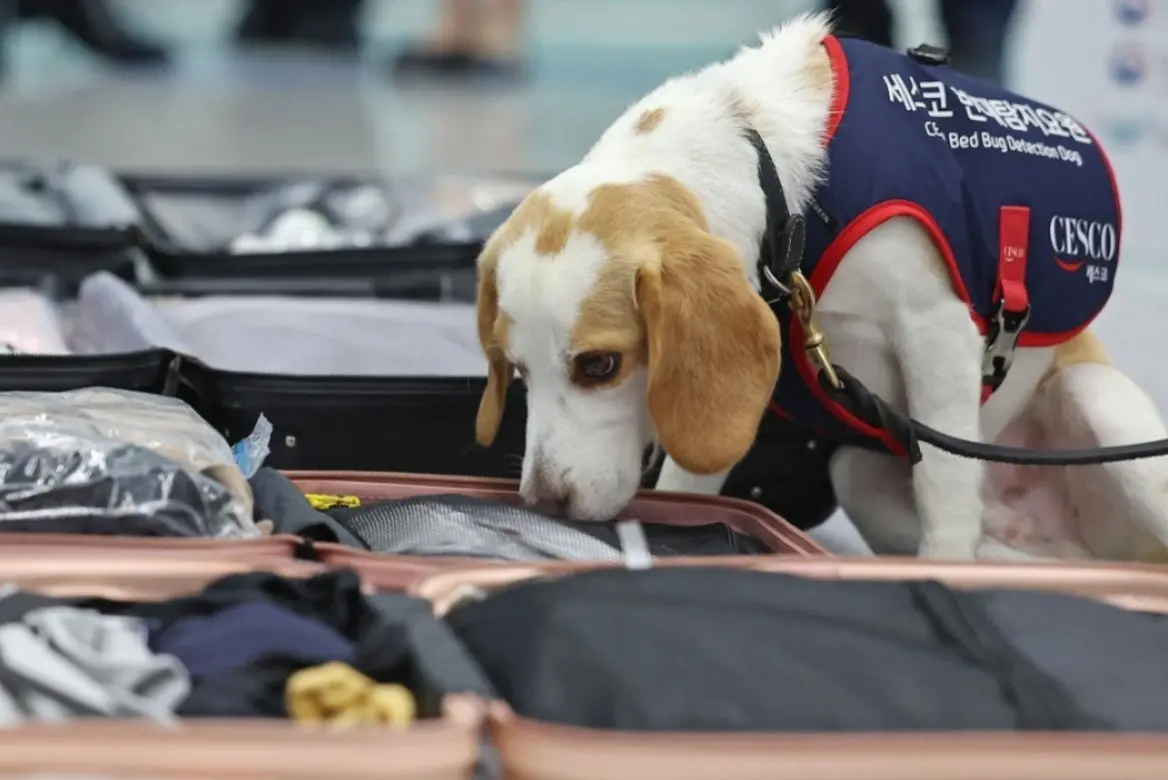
(598,366)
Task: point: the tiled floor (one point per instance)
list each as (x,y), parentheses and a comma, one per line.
(218,110)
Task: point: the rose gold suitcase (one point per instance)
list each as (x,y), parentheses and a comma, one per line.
(649,506)
(442,749)
(395,572)
(392,572)
(280,548)
(445,748)
(533,750)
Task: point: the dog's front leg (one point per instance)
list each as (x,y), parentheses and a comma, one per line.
(674,477)
(940,351)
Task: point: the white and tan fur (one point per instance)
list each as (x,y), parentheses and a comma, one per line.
(648,248)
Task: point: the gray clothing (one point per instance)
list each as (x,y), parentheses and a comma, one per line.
(62,662)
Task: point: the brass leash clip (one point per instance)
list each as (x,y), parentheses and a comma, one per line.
(803,304)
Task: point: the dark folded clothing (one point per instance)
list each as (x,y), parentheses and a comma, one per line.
(709,649)
(388,637)
(278,499)
(241,634)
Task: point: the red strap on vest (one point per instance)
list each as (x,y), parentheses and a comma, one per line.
(1013,238)
(1011,301)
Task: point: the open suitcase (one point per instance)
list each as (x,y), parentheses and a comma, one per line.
(443,745)
(400,238)
(448,746)
(400,572)
(669,509)
(361,357)
(60,222)
(535,750)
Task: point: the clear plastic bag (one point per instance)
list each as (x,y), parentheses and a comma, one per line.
(100,461)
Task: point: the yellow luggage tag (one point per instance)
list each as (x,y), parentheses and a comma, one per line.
(324,501)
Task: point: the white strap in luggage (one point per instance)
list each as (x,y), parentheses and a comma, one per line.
(634,546)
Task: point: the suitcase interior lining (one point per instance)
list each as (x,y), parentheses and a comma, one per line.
(252,334)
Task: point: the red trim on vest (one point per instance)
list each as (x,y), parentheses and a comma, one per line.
(841,85)
(778,410)
(828,263)
(1010,288)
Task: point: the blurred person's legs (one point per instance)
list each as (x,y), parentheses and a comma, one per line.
(976,29)
(8,16)
(867,19)
(500,35)
(331,23)
(473,36)
(450,46)
(977,35)
(266,21)
(96,26)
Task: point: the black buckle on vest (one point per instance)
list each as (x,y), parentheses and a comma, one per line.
(927,54)
(1001,342)
(777,266)
(785,236)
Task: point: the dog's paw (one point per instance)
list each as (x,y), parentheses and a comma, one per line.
(949,548)
(991,549)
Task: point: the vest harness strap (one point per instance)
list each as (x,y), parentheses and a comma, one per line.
(1011,307)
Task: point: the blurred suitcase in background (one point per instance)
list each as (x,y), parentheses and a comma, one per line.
(360,348)
(402,238)
(61,221)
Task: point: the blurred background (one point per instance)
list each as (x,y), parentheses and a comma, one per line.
(220,105)
(323,87)
(328,84)
(403,86)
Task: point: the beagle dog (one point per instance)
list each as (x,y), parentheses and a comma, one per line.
(969,237)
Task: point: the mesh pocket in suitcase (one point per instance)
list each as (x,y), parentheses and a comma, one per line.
(674,525)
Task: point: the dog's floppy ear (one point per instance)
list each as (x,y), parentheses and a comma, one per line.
(713,352)
(500,370)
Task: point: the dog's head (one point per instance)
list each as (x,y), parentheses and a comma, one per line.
(630,324)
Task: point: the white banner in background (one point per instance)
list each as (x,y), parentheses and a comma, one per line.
(1106,63)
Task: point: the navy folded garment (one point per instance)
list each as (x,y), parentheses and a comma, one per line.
(238,635)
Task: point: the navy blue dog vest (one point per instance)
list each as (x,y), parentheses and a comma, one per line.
(1018,197)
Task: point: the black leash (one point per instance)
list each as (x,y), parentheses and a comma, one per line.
(870,408)
(780,260)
